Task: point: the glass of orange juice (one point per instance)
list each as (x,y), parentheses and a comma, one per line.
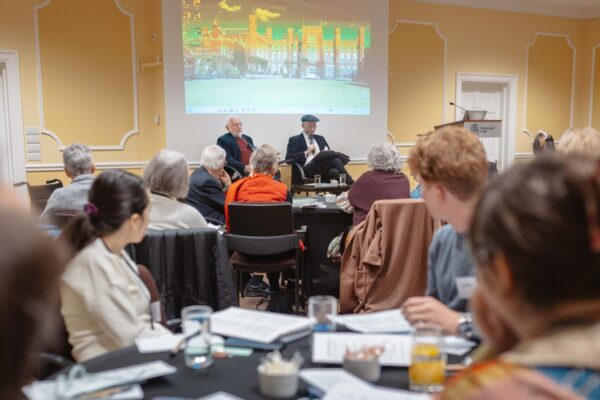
(426,371)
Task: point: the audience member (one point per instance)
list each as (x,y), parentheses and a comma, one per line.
(79,166)
(237,146)
(543,143)
(208,185)
(385,180)
(30,266)
(581,140)
(260,188)
(303,148)
(535,237)
(451,168)
(167,176)
(105,303)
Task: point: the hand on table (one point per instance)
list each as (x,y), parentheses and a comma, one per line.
(428,310)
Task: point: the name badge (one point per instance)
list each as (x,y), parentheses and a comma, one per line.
(466,286)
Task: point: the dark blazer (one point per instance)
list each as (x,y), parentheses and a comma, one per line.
(297,146)
(232,150)
(206,195)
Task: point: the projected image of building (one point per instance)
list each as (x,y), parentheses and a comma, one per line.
(299,52)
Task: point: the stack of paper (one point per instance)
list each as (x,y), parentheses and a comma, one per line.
(359,392)
(391,321)
(325,379)
(90,383)
(329,348)
(257,326)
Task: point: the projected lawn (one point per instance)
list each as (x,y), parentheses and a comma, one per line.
(276,93)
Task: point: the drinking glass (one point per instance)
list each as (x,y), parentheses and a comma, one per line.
(196,323)
(342,179)
(426,371)
(321,309)
(317,180)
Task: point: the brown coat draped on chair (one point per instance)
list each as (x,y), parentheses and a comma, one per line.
(385,261)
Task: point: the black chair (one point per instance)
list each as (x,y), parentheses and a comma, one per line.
(262,239)
(190,266)
(39,194)
(233,173)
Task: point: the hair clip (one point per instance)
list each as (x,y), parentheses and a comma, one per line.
(90,209)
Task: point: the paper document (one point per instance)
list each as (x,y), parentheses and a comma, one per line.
(351,392)
(44,390)
(325,379)
(391,321)
(157,344)
(259,326)
(329,348)
(457,346)
(220,396)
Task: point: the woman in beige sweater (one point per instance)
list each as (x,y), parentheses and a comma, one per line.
(105,303)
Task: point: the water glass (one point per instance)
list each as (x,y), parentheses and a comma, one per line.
(342,179)
(428,361)
(196,323)
(317,179)
(321,309)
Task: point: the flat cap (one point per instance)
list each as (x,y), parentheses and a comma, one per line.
(309,118)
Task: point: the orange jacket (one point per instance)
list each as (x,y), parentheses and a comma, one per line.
(258,188)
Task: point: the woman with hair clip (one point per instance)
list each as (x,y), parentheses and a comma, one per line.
(105,303)
(535,238)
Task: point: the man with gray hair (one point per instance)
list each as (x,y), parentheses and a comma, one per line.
(237,146)
(208,185)
(77,159)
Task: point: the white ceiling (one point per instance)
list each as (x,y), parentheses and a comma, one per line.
(559,8)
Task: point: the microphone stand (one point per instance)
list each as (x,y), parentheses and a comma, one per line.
(466,116)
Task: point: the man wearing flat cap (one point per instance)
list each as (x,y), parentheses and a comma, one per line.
(303,148)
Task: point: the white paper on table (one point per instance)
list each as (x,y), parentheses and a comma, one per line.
(116,377)
(259,326)
(324,379)
(43,390)
(457,346)
(352,392)
(220,396)
(330,348)
(390,321)
(157,344)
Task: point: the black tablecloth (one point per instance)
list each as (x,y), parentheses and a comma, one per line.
(323,224)
(237,376)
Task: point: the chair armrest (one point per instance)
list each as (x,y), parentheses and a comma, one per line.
(233,173)
(300,169)
(302,232)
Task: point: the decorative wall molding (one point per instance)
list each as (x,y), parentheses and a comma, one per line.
(43,130)
(524,155)
(592,83)
(444,68)
(573,72)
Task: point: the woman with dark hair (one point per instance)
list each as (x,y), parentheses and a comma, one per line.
(30,267)
(535,237)
(105,303)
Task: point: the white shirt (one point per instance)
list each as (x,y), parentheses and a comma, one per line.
(168,213)
(311,156)
(105,304)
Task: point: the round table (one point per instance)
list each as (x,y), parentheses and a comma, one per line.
(237,375)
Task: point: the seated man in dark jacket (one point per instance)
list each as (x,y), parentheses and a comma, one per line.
(238,147)
(303,148)
(208,184)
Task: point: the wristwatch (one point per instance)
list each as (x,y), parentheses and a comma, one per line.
(465,326)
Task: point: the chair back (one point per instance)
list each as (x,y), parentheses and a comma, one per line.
(60,218)
(261,219)
(39,194)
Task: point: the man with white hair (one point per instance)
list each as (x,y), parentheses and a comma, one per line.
(208,185)
(238,147)
(79,166)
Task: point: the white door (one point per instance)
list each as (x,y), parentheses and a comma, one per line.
(5,163)
(491,97)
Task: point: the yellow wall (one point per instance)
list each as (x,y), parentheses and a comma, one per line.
(430,44)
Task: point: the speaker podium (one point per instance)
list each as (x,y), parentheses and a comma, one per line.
(488,128)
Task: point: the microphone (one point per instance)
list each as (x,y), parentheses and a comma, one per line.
(466,116)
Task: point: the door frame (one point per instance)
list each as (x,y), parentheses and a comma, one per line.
(509,119)
(15,149)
